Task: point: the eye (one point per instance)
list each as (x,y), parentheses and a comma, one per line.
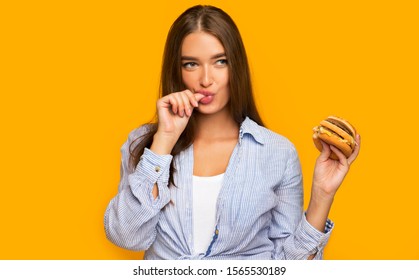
(221,62)
(189,65)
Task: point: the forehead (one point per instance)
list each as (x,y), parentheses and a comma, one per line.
(201,44)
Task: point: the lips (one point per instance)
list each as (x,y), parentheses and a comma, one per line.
(209,96)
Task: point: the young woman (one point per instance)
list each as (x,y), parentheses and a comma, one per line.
(207,180)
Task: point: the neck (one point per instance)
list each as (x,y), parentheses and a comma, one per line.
(216,126)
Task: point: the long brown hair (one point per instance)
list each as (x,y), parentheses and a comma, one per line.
(216,22)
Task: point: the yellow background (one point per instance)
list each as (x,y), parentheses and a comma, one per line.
(78,76)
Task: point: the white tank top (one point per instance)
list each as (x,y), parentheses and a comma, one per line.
(205,194)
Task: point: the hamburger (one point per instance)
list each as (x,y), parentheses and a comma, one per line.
(337,132)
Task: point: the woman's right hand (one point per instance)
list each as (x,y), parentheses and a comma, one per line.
(174,111)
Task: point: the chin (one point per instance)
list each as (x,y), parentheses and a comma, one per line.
(210,109)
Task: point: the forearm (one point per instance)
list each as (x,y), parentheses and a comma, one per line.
(130,224)
(132,215)
(304,243)
(162,145)
(318,211)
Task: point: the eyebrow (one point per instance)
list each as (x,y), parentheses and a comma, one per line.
(194,58)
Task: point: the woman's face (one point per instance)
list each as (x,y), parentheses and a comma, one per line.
(205,71)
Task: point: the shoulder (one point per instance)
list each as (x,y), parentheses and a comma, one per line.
(136,135)
(266,137)
(279,147)
(274,138)
(139,132)
(274,152)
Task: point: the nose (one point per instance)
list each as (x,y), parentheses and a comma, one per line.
(206,79)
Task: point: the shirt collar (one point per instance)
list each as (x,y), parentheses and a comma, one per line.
(248,126)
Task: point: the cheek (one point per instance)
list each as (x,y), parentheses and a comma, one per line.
(223,77)
(188,78)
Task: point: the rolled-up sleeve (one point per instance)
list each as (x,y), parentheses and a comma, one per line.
(132,215)
(313,240)
(293,237)
(151,169)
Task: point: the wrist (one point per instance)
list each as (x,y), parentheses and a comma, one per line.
(322,194)
(320,201)
(163,143)
(317,212)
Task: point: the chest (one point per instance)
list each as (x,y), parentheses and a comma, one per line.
(212,158)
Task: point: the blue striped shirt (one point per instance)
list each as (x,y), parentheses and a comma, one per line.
(259,211)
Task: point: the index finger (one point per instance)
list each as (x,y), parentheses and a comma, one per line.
(192,97)
(198,96)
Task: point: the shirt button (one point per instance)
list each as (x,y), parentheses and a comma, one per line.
(216,231)
(157,168)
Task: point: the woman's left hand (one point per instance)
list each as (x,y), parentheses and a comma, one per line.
(329,173)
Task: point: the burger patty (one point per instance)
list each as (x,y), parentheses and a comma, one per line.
(343,127)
